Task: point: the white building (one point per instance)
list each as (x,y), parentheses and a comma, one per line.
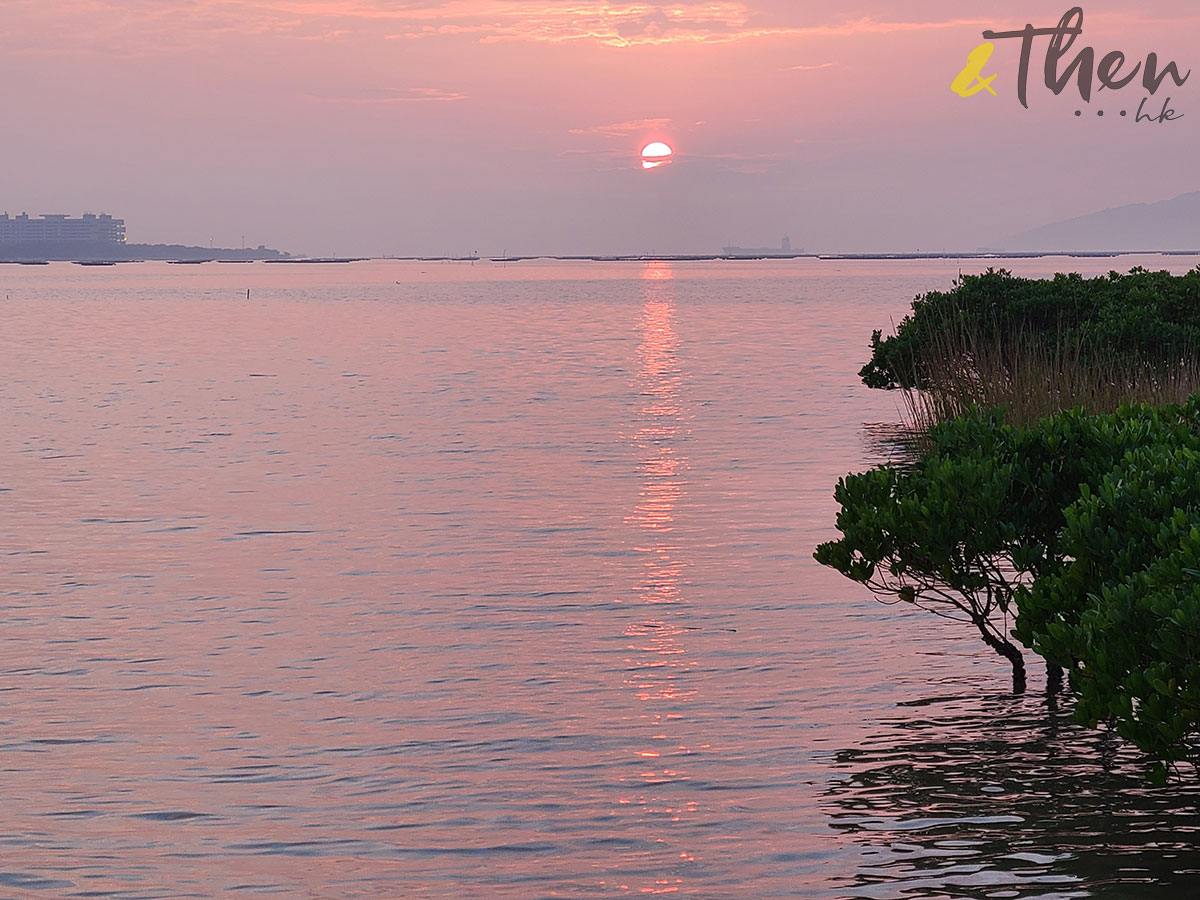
(61,229)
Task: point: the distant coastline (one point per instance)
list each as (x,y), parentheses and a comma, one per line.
(179,253)
(176,253)
(99,238)
(56,251)
(701,257)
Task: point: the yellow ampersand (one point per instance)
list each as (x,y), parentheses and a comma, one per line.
(967,83)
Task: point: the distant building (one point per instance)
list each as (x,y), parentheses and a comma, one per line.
(61,230)
(784,249)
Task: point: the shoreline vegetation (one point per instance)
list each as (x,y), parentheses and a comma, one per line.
(27,254)
(1053,504)
(1035,347)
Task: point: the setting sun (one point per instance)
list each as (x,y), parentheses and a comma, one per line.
(656,154)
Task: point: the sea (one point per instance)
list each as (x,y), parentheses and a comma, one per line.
(400,579)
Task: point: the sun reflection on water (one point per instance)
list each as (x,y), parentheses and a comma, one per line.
(659,663)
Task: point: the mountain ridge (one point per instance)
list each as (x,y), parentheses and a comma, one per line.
(1172,224)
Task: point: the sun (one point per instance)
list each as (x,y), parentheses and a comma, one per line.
(656,154)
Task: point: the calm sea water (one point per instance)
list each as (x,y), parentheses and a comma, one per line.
(421,580)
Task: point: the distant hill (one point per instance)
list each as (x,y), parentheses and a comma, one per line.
(1167,225)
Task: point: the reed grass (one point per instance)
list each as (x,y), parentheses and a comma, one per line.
(1032,374)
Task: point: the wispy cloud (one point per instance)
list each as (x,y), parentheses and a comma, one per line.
(612,24)
(824,65)
(628,24)
(142,27)
(624,129)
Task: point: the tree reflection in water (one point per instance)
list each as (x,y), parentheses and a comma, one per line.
(1003,797)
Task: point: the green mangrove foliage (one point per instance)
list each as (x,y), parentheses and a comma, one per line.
(936,536)
(1074,533)
(1123,612)
(1077,530)
(1037,346)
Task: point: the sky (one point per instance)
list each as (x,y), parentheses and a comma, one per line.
(386,127)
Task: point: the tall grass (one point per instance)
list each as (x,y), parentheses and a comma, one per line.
(1033,374)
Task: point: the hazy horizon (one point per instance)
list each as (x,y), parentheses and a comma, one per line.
(504,126)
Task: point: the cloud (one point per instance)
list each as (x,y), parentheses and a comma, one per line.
(610,24)
(173,23)
(613,24)
(824,65)
(146,25)
(628,24)
(624,129)
(138,27)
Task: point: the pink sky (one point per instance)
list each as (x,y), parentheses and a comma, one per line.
(374,126)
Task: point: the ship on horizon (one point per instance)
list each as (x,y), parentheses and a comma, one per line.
(784,249)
